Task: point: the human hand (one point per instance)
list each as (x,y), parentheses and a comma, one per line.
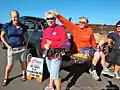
(9,47)
(46,46)
(49,41)
(55,12)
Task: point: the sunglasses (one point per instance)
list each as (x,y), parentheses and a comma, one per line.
(82,22)
(118,26)
(52,18)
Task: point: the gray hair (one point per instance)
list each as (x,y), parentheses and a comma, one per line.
(83,17)
(50,12)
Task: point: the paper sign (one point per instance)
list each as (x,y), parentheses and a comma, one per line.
(35,68)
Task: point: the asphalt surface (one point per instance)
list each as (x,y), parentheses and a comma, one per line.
(74,77)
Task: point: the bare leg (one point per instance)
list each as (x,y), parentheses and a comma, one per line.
(23,66)
(113,67)
(7,73)
(103,63)
(117,68)
(58,84)
(96,58)
(51,82)
(93,67)
(8,70)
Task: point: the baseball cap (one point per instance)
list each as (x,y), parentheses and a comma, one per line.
(118,23)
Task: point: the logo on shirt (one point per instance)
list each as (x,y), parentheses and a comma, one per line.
(19,28)
(54,33)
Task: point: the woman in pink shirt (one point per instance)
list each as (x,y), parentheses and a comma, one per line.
(54,42)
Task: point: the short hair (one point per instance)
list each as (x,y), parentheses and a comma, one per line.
(14,11)
(83,17)
(50,12)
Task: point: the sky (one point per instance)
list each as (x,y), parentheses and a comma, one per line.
(97,11)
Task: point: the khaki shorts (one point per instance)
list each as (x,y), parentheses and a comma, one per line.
(16,54)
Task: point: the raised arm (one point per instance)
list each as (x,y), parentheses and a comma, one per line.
(65,22)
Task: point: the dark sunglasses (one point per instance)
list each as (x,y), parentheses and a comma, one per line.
(118,26)
(52,18)
(82,22)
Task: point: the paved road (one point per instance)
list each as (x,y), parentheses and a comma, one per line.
(74,77)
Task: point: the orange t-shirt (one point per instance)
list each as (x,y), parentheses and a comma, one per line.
(81,37)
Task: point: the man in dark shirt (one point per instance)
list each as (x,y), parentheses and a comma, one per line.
(114,55)
(15,44)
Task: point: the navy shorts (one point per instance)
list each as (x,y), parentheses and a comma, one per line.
(113,57)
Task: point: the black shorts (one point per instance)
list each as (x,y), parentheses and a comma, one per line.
(113,57)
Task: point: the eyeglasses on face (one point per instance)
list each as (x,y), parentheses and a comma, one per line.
(52,18)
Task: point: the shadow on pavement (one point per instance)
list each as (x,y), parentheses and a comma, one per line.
(15,77)
(111,86)
(76,70)
(11,79)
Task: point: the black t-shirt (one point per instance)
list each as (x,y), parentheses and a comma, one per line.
(116,38)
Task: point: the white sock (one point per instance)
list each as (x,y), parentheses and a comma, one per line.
(105,69)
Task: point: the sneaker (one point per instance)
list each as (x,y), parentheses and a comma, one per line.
(107,72)
(94,74)
(49,88)
(116,75)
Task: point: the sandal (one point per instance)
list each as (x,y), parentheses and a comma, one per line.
(5,82)
(24,78)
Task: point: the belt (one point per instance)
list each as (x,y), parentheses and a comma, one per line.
(21,45)
(53,57)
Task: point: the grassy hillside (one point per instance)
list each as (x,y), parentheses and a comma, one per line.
(103,29)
